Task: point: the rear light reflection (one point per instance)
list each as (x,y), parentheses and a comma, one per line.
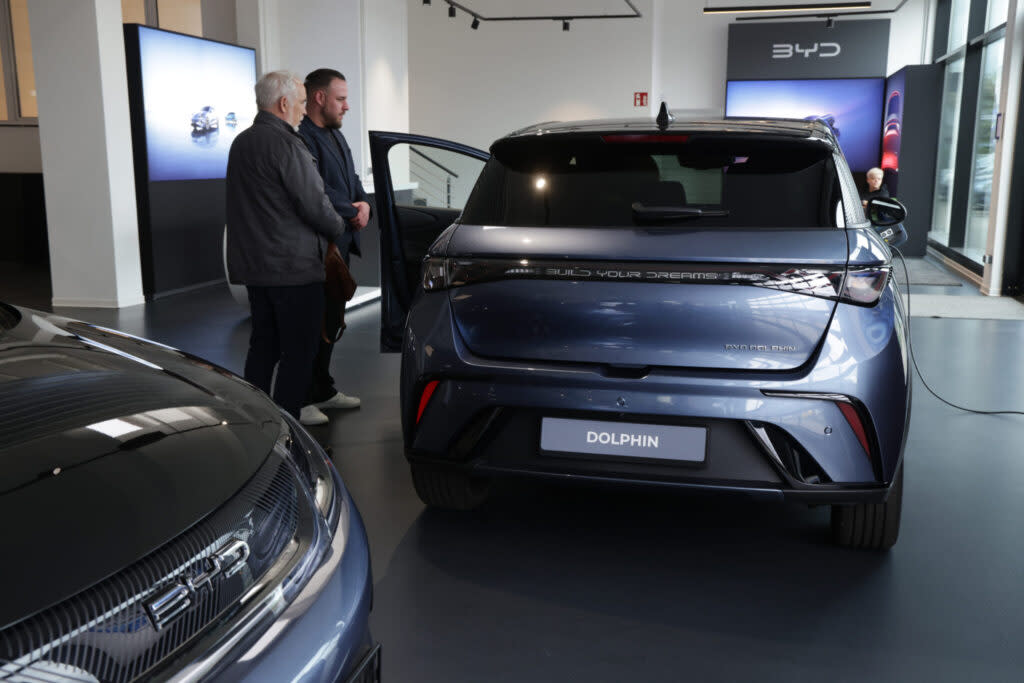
(428,391)
(852,416)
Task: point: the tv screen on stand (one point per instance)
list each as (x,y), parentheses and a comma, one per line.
(852,107)
(189,98)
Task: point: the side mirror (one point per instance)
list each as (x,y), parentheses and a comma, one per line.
(887,215)
(886,211)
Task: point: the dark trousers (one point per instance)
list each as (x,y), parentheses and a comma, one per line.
(285,328)
(322,386)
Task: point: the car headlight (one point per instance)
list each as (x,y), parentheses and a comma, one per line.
(315,468)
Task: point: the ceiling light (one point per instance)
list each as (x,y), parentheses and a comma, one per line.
(451,11)
(476,24)
(426,2)
(750,9)
(565,24)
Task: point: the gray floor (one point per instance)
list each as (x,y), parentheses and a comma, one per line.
(550,583)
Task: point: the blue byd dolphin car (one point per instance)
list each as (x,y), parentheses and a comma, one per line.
(686,304)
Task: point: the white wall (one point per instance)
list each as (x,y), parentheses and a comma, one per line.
(693,50)
(475,86)
(386,73)
(327,33)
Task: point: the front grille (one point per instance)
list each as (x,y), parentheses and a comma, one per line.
(137,621)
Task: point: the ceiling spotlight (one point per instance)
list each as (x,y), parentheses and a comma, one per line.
(830,22)
(796,7)
(426,2)
(476,24)
(451,11)
(565,24)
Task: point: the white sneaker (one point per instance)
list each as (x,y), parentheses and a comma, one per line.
(339,400)
(311,415)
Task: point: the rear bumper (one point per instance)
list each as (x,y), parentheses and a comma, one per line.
(485,415)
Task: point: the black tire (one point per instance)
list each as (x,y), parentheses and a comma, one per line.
(449,489)
(870,526)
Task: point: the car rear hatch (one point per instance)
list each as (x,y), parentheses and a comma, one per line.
(700,251)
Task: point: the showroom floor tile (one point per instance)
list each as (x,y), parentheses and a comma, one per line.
(555,583)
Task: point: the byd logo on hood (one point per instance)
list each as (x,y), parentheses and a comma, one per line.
(788,50)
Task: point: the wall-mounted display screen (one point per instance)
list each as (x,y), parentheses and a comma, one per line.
(851,106)
(197,95)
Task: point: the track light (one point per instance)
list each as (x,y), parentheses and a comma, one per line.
(565,24)
(426,2)
(830,22)
(451,11)
(476,24)
(750,9)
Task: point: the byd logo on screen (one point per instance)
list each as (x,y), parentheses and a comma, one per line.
(788,50)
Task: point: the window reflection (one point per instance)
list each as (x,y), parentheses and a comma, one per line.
(948,128)
(984,152)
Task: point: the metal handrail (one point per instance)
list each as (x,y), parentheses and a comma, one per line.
(435,163)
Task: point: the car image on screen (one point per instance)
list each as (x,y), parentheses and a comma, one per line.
(698,305)
(205,119)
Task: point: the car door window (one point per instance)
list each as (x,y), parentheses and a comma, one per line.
(432,177)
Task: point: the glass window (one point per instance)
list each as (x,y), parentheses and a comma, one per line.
(183,16)
(3,90)
(948,128)
(997,12)
(984,151)
(23,59)
(430,176)
(958,15)
(133,11)
(612,180)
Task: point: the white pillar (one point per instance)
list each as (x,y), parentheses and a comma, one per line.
(85,138)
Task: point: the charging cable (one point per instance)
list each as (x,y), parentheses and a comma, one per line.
(910,344)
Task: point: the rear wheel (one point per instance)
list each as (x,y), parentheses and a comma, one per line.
(448,489)
(872,526)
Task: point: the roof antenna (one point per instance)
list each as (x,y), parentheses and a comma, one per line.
(664,118)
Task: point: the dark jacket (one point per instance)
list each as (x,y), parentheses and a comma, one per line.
(279,220)
(334,159)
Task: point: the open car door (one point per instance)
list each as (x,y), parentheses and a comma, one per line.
(421,185)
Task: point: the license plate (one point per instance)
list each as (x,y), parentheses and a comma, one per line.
(623,439)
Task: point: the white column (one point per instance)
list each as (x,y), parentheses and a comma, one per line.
(85,138)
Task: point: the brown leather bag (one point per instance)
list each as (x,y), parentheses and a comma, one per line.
(339,288)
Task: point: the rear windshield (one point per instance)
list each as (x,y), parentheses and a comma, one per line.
(626,180)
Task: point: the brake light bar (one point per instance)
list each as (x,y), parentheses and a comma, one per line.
(644,137)
(862,287)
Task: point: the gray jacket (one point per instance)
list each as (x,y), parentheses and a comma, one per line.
(279,221)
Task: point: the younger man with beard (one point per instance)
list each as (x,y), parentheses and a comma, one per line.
(327,102)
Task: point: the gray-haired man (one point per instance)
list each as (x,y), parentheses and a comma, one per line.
(279,222)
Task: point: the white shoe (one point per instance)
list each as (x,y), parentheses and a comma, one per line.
(311,415)
(339,400)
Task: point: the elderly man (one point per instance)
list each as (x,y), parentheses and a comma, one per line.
(876,188)
(279,223)
(327,93)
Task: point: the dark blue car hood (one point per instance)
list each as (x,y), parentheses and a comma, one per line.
(110,446)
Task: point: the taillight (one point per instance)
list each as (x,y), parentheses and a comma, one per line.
(864,286)
(852,416)
(428,391)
